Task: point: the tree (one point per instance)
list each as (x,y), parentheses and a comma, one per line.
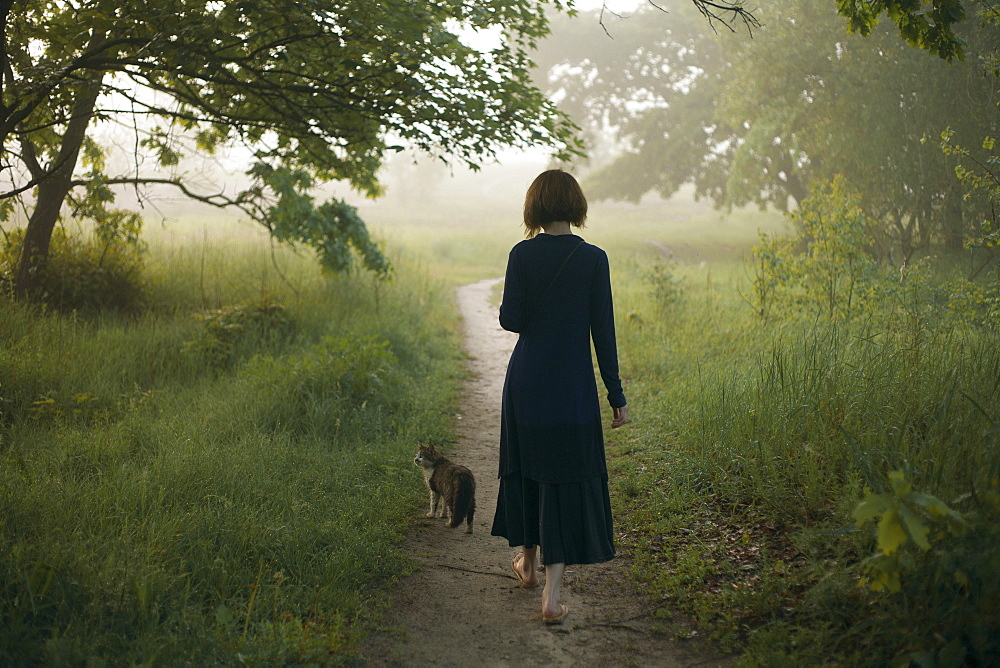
(315,90)
(644,99)
(758,120)
(932,29)
(863,108)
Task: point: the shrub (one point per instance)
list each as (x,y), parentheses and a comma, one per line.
(833,273)
(227,331)
(665,287)
(938,568)
(83,274)
(827,270)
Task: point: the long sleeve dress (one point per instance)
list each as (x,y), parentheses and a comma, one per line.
(553,476)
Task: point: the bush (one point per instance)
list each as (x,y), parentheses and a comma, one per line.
(827,270)
(665,287)
(83,274)
(938,567)
(834,273)
(227,331)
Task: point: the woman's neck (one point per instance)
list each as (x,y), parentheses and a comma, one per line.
(557,228)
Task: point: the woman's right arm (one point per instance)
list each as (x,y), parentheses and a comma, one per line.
(512,304)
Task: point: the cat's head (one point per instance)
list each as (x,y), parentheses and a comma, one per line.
(427,456)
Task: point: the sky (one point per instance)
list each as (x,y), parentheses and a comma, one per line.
(617,6)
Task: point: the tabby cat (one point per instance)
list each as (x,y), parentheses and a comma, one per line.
(452,487)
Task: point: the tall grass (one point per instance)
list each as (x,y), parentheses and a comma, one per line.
(753,442)
(162,503)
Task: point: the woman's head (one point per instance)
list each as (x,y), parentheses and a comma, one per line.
(552,197)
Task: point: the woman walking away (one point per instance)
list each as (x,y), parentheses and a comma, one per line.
(553,477)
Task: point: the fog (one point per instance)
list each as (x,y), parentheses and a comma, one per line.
(673,110)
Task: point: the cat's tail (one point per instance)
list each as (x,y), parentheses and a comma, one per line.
(464,506)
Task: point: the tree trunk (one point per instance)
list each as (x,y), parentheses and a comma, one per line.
(52,193)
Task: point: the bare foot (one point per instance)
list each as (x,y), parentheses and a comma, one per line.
(553,612)
(551,609)
(557,618)
(525,575)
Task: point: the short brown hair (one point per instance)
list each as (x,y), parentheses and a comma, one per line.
(553,196)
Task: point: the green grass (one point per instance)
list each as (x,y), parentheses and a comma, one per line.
(752,443)
(162,502)
(206,484)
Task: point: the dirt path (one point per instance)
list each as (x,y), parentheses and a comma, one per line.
(463,606)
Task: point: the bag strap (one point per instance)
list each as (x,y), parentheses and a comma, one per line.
(558,271)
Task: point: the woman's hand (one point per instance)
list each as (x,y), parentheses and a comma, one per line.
(620,417)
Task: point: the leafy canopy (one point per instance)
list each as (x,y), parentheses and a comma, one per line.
(758,120)
(927,27)
(312,90)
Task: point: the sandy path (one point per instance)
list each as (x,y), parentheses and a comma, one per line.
(463,606)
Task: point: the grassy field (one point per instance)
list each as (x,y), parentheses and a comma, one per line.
(225,477)
(753,442)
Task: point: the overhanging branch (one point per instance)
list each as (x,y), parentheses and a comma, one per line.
(218,200)
(728,13)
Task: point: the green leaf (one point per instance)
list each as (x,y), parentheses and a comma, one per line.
(870,508)
(890,532)
(900,486)
(915,527)
(929,502)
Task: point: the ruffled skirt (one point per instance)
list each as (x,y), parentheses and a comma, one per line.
(571,522)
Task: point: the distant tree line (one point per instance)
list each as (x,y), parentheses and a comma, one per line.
(757,119)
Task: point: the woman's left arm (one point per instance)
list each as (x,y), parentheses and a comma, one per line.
(602,329)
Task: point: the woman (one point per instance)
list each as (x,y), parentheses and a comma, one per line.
(553,477)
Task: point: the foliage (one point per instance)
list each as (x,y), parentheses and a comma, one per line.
(758,120)
(225,331)
(308,92)
(832,272)
(330,229)
(931,30)
(935,558)
(102,272)
(828,268)
(199,514)
(904,516)
(979,173)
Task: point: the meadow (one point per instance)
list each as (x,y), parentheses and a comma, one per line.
(226,476)
(806,487)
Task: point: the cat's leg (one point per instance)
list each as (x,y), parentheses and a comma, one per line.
(433,505)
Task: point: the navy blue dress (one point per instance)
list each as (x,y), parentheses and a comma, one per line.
(553,476)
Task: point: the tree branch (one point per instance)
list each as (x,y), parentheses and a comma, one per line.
(727,13)
(243,202)
(41,177)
